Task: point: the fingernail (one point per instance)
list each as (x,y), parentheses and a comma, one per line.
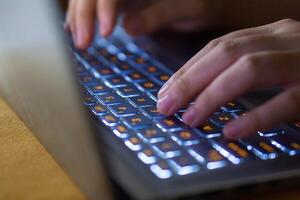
(103,27)
(164,104)
(233,129)
(189,117)
(79,37)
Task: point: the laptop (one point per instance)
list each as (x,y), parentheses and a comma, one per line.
(94,111)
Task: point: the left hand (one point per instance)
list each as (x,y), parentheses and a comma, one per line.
(233,64)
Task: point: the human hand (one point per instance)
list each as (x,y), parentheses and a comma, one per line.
(230,66)
(139,18)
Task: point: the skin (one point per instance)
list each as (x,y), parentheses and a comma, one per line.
(254,57)
(246,59)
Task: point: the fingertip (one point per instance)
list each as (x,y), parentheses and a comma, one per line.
(189,117)
(233,130)
(79,39)
(103,26)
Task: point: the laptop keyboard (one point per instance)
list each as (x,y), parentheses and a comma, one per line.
(121,82)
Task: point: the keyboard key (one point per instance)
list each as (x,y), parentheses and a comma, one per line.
(98,109)
(140,61)
(286,143)
(167,149)
(112,58)
(149,86)
(95,63)
(261,147)
(142,101)
(238,114)
(85,55)
(124,109)
(137,121)
(87,78)
(128,91)
(104,71)
(209,130)
(89,99)
(219,111)
(104,53)
(97,88)
(170,124)
(233,150)
(221,119)
(185,137)
(151,70)
(152,112)
(151,134)
(161,169)
(125,68)
(110,99)
(101,51)
(147,155)
(133,143)
(272,132)
(121,131)
(109,119)
(153,94)
(184,164)
(137,76)
(233,107)
(162,78)
(206,154)
(117,81)
(80,69)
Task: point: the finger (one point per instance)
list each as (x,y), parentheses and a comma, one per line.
(84,22)
(158,14)
(205,70)
(266,29)
(69,23)
(257,69)
(107,14)
(283,108)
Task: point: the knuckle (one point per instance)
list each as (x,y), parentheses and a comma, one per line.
(287,26)
(293,100)
(286,21)
(184,85)
(178,74)
(251,65)
(228,47)
(213,43)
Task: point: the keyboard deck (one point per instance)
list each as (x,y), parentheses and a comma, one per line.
(121,81)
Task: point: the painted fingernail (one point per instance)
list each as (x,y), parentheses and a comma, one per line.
(189,117)
(164,104)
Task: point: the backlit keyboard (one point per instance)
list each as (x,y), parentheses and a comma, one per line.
(121,82)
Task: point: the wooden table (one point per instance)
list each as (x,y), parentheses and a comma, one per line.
(27,170)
